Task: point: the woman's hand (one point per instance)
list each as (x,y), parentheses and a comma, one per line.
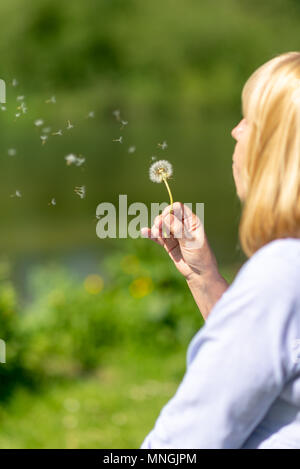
(181,233)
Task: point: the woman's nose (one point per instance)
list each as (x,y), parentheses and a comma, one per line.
(238,129)
(234,133)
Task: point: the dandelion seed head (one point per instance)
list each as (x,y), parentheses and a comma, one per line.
(160,170)
(38,122)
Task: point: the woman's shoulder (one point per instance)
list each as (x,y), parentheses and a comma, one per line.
(283,248)
(270,277)
(276,262)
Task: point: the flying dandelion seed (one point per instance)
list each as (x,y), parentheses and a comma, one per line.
(70,159)
(46,130)
(52,202)
(44,138)
(59,132)
(73,159)
(132,149)
(69,125)
(22,108)
(153,158)
(124,123)
(3,108)
(120,139)
(91,115)
(38,122)
(18,114)
(12,152)
(80,190)
(51,100)
(117,114)
(79,161)
(163,145)
(17,194)
(159,172)
(14,82)
(20,98)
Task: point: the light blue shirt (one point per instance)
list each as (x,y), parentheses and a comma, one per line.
(242,384)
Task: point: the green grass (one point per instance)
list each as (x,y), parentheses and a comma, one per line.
(113,408)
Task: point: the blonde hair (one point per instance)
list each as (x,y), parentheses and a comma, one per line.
(271,169)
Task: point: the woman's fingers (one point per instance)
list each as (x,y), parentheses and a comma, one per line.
(152,234)
(146,232)
(184,225)
(170,244)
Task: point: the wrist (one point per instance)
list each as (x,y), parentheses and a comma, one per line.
(201,278)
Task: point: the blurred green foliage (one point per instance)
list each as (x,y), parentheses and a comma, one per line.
(13,371)
(69,325)
(171,55)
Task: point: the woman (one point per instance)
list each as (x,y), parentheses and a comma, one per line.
(242,384)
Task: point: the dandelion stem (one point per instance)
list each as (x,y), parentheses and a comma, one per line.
(171,202)
(170,193)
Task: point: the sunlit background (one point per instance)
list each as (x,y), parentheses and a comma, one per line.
(97,330)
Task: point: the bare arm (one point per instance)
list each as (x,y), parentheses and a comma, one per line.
(207,289)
